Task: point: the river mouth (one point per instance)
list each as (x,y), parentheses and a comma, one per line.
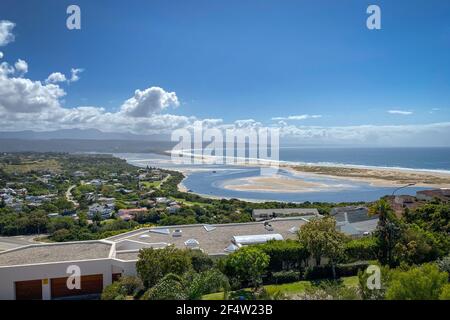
(247,183)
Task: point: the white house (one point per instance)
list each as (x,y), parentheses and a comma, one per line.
(46,271)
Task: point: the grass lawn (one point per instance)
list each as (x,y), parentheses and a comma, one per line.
(151,184)
(191,203)
(27,166)
(286,288)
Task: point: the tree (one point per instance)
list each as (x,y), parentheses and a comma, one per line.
(207,282)
(154,264)
(125,286)
(201,261)
(248,264)
(445,293)
(388,230)
(420,283)
(170,287)
(417,246)
(322,239)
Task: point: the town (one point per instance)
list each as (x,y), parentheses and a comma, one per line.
(114,221)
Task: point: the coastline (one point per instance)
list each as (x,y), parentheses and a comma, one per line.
(377,176)
(341,177)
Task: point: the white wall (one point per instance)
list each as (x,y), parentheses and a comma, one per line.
(8,275)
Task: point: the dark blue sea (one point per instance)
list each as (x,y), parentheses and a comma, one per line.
(413,158)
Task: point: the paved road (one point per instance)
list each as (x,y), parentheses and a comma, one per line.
(7,243)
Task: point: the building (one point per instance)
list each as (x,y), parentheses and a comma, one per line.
(264,214)
(130,214)
(354,221)
(105,211)
(429,195)
(173,208)
(401,202)
(41,271)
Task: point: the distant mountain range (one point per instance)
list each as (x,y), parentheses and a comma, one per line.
(80,134)
(77,140)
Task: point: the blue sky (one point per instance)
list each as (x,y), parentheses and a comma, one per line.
(248,59)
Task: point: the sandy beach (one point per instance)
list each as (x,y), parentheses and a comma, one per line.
(276,183)
(343,177)
(382,177)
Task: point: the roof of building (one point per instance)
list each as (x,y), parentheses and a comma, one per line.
(287,211)
(45,253)
(130,255)
(216,240)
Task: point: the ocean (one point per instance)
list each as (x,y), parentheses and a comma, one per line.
(210,180)
(410,158)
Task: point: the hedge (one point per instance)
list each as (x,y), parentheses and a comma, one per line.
(361,249)
(287,254)
(342,270)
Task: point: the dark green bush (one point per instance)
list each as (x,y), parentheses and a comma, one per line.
(361,249)
(342,270)
(285,276)
(284,255)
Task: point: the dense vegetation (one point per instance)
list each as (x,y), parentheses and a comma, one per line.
(25,170)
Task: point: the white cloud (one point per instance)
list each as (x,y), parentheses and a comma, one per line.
(56,77)
(400,112)
(1,55)
(75,77)
(6,35)
(21,67)
(149,101)
(29,104)
(434,134)
(21,95)
(299,117)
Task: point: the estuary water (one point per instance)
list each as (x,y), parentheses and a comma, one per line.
(211,180)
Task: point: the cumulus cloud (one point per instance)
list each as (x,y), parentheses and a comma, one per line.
(1,55)
(75,74)
(149,101)
(25,103)
(6,35)
(299,117)
(400,112)
(21,67)
(56,77)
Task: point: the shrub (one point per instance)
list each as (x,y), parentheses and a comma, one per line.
(284,255)
(285,276)
(169,288)
(318,272)
(207,282)
(201,261)
(120,289)
(444,264)
(330,290)
(351,269)
(154,264)
(445,293)
(421,283)
(342,270)
(248,264)
(361,249)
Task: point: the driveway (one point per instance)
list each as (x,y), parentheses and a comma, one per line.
(7,243)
